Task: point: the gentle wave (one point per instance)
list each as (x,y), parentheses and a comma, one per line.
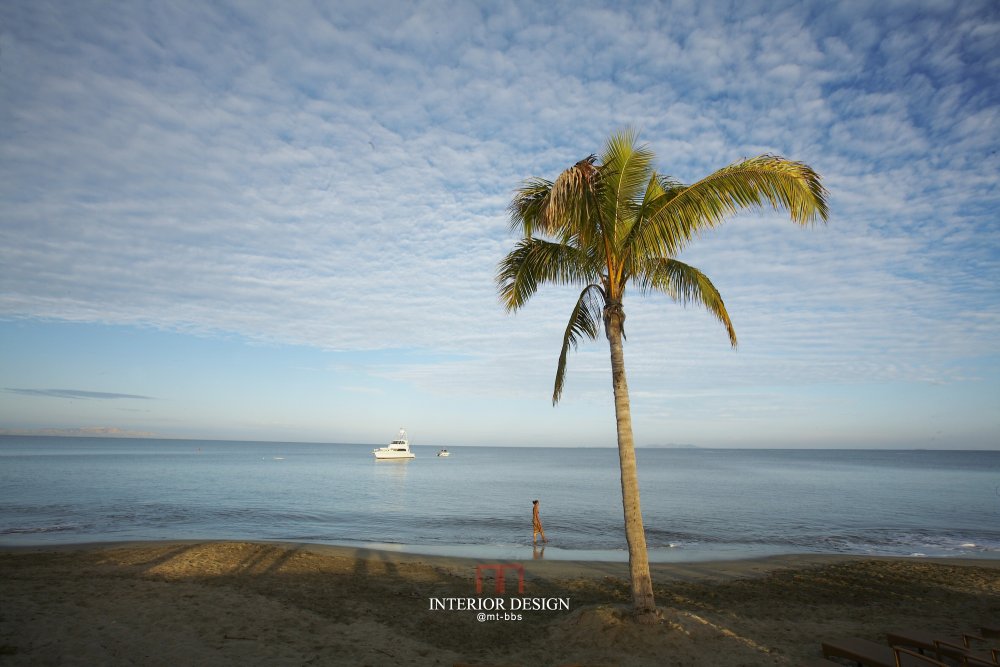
(32,530)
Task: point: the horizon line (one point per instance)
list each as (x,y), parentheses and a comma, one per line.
(13,433)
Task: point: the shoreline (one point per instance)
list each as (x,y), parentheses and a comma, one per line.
(723,567)
(227,602)
(524,553)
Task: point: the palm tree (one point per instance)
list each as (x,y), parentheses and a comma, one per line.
(618,221)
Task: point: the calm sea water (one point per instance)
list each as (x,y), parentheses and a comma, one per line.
(697,503)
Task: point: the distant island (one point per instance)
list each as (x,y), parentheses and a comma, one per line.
(669,446)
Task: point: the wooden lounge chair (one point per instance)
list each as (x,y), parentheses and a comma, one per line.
(973,661)
(963,653)
(905,658)
(871,654)
(926,642)
(923,642)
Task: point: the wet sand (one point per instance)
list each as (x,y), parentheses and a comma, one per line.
(238,603)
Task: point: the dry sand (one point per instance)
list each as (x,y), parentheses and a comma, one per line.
(226,603)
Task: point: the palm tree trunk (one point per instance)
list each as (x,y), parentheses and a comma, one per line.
(635,534)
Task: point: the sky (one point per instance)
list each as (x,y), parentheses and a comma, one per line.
(282,221)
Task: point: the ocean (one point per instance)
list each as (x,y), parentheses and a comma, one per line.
(698,504)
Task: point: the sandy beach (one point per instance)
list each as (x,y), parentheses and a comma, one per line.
(237,603)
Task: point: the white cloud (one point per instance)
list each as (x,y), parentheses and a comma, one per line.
(339,179)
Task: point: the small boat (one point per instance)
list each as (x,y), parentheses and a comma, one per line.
(442,452)
(399,448)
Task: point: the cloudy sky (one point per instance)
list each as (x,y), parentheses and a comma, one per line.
(281,221)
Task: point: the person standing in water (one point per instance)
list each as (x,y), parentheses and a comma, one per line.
(536,525)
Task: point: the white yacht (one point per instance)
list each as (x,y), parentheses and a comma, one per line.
(442,452)
(399,448)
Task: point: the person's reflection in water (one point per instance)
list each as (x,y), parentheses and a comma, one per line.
(536,553)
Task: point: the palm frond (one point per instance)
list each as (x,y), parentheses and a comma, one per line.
(671,234)
(684,284)
(584,322)
(535,261)
(527,208)
(625,167)
(674,218)
(572,208)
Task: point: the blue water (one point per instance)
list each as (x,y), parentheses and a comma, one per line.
(697,503)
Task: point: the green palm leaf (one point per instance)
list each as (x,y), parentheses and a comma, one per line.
(584,322)
(536,261)
(624,170)
(673,218)
(684,284)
